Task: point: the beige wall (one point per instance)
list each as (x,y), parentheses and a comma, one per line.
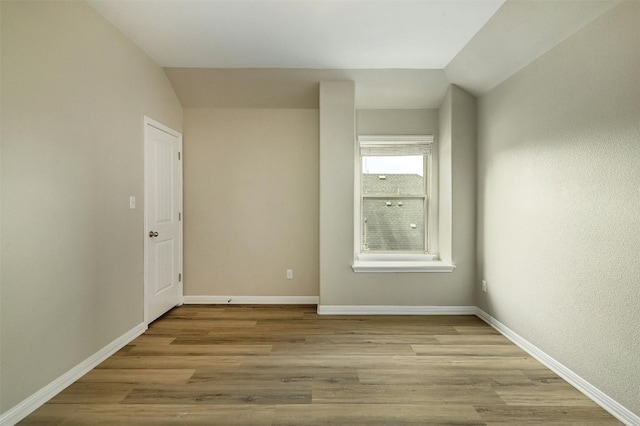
(397,121)
(339,285)
(74,93)
(559,195)
(251,202)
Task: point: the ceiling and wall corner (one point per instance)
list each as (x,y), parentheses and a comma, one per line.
(518,33)
(399,57)
(299,88)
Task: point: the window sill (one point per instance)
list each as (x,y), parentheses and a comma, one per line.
(402,266)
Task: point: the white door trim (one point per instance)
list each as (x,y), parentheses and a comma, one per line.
(153,123)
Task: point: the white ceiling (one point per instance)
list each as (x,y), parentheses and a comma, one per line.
(335,34)
(400,53)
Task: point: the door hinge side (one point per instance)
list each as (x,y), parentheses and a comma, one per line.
(179,278)
(179,156)
(179,216)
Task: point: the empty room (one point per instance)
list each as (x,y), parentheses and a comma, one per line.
(282,212)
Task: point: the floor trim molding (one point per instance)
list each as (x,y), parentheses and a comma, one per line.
(251,300)
(33,402)
(394,310)
(596,395)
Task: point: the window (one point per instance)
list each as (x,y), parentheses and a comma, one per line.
(393,181)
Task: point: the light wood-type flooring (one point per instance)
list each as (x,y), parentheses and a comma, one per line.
(286,365)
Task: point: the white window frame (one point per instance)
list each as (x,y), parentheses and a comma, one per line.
(400,261)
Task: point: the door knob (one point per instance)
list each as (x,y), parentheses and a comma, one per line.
(152,234)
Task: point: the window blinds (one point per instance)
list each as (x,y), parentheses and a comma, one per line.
(395,145)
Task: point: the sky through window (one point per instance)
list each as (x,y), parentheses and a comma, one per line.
(393,164)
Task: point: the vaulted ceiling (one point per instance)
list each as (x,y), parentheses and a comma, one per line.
(400,53)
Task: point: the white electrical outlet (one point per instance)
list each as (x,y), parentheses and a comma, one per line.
(484,285)
(132,202)
(289,274)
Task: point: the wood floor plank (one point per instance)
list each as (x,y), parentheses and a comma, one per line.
(153,414)
(554,394)
(376,339)
(170,362)
(474,339)
(195,324)
(376,414)
(234,349)
(475,329)
(425,320)
(410,363)
(224,393)
(404,394)
(138,375)
(344,349)
(494,362)
(146,339)
(543,375)
(240,337)
(252,314)
(247,375)
(545,415)
(443,375)
(468,350)
(406,329)
(93,393)
(287,365)
(124,349)
(330,361)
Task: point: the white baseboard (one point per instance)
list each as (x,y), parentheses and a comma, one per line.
(29,405)
(251,300)
(394,310)
(616,409)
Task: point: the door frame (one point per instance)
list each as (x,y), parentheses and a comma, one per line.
(153,123)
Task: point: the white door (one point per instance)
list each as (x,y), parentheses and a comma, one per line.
(163,224)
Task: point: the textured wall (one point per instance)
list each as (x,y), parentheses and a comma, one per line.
(251,202)
(74,93)
(559,195)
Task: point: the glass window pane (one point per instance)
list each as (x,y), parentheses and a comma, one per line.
(393,224)
(393,175)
